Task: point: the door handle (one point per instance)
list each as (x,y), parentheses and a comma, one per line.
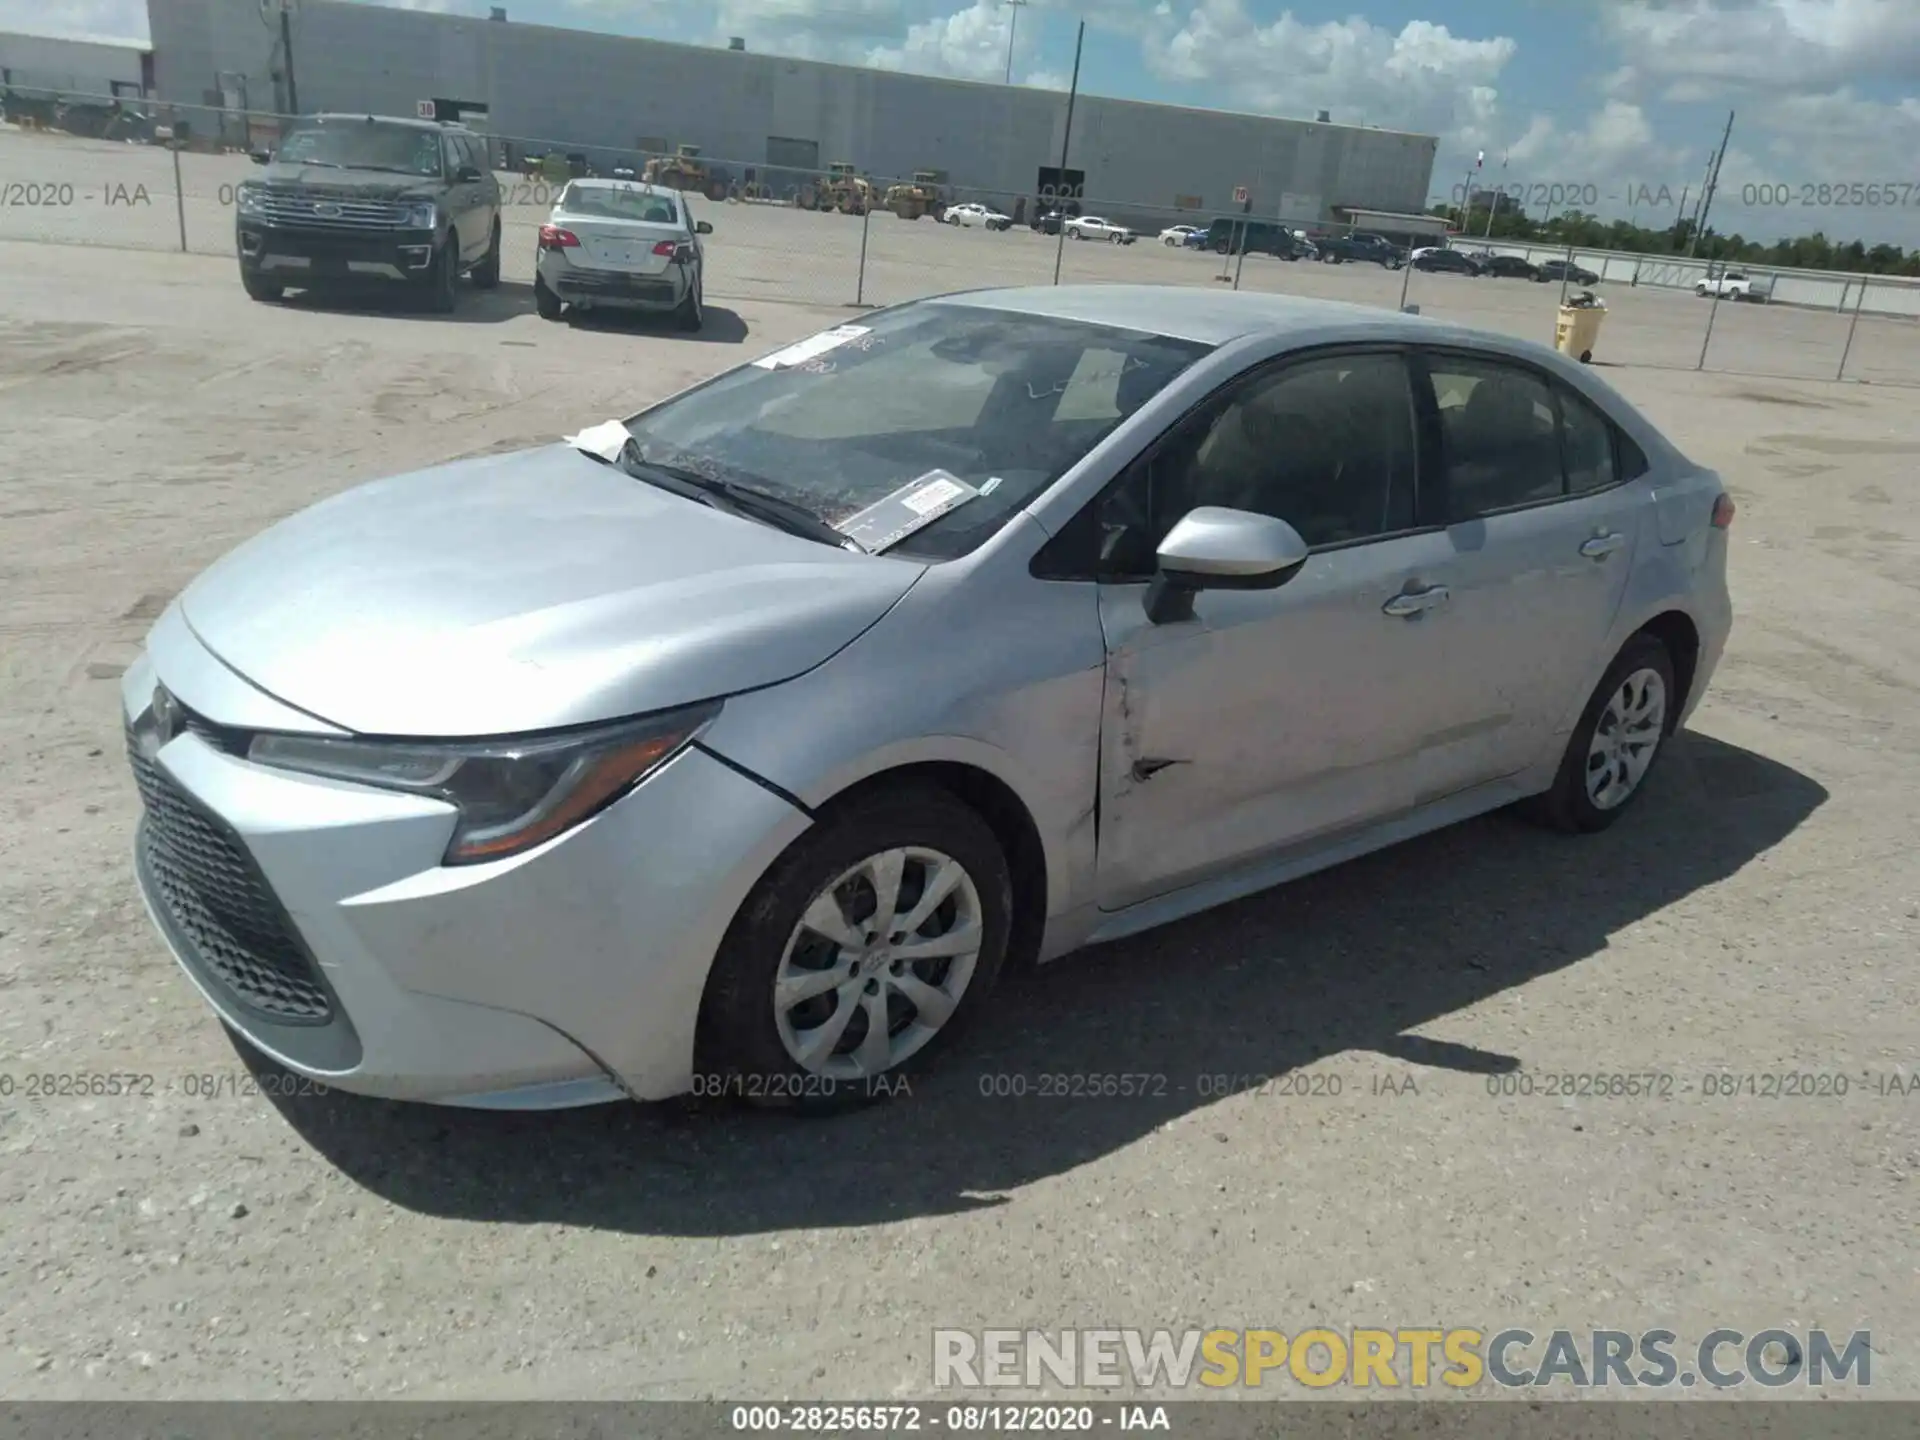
(1601,546)
(1409,603)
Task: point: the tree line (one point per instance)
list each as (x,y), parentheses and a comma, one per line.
(1590,232)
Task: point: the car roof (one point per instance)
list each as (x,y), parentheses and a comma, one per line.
(409,122)
(1211,317)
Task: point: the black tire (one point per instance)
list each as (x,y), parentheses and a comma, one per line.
(486,275)
(265,291)
(741,1052)
(1586,357)
(691,313)
(544,300)
(443,276)
(1567,806)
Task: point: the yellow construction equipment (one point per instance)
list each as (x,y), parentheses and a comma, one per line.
(927,195)
(684,170)
(843,189)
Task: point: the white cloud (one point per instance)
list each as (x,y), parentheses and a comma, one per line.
(970,44)
(1423,77)
(1705,49)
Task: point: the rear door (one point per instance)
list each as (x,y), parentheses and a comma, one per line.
(634,231)
(1544,507)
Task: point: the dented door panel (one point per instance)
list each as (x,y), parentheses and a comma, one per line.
(1270,718)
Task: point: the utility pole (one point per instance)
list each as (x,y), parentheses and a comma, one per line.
(1066,135)
(1013,22)
(1713,183)
(286,53)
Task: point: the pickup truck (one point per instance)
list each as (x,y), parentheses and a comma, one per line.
(1735,285)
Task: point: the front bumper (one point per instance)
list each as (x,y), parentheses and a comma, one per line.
(587,285)
(292,254)
(315,918)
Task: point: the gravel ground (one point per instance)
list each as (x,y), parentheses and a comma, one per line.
(1756,915)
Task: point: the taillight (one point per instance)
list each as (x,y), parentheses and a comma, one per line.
(665,247)
(1723,511)
(552,237)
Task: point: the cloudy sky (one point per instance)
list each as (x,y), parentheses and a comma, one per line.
(1616,100)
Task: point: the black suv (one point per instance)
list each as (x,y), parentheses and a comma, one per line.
(1336,249)
(1231,235)
(367,197)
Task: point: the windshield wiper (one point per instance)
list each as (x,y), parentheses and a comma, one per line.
(788,515)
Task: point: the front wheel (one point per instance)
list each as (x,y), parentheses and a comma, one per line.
(486,275)
(1615,743)
(863,951)
(690,314)
(265,291)
(443,276)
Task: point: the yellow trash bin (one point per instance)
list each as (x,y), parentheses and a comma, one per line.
(1577,330)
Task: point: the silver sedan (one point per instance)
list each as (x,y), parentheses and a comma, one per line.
(750,737)
(625,246)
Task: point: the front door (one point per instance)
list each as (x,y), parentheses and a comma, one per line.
(1273,718)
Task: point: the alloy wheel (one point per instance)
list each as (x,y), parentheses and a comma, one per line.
(1625,738)
(878,963)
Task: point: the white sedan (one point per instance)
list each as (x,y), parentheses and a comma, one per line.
(1178,235)
(976,214)
(1092,227)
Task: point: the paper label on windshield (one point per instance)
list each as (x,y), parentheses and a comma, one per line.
(912,507)
(812,347)
(607,439)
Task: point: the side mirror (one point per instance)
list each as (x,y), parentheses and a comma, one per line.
(1218,549)
(467,174)
(703,227)
(262,157)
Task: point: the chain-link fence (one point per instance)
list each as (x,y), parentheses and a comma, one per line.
(93,170)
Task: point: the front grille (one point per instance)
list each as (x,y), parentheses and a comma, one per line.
(218,903)
(310,208)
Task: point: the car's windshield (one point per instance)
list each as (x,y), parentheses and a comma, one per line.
(620,202)
(1006,402)
(364,145)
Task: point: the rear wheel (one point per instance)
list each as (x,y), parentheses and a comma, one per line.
(544,300)
(862,952)
(1614,746)
(690,314)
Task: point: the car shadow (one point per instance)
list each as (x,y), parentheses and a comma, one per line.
(508,300)
(1347,961)
(721,326)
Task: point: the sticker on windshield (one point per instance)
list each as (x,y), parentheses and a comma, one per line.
(913,506)
(606,440)
(812,347)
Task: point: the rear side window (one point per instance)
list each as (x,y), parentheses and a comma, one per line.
(1587,445)
(1501,435)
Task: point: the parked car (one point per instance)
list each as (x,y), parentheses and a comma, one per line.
(1509,267)
(972,213)
(1093,227)
(1338,249)
(1049,223)
(1441,259)
(625,246)
(1232,235)
(359,198)
(1735,285)
(704,746)
(1178,236)
(1563,270)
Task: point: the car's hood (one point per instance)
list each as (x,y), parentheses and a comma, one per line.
(360,184)
(524,592)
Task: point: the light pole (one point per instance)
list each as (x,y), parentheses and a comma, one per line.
(1013,23)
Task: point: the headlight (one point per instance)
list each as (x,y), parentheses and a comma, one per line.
(422,215)
(248,198)
(511,794)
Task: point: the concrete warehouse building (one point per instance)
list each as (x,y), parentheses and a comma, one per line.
(574,90)
(73,66)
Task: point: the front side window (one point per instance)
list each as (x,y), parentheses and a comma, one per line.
(1007,402)
(364,145)
(1329,445)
